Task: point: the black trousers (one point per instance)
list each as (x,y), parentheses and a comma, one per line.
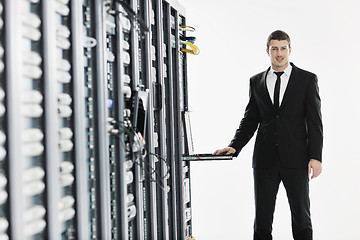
(296,183)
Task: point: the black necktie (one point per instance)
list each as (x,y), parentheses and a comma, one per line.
(277,89)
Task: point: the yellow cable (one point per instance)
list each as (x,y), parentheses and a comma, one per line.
(187,28)
(194,49)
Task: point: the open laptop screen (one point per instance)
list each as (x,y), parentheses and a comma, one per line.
(189,146)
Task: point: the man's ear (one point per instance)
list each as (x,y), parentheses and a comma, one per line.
(267,50)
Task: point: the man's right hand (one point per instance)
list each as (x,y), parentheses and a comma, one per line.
(227,151)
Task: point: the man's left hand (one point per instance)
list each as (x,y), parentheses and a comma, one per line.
(316,167)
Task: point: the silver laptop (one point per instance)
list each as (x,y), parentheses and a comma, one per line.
(189,146)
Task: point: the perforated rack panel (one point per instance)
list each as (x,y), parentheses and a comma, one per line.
(92,95)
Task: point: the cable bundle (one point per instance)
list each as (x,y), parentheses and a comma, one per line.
(189,41)
(194,49)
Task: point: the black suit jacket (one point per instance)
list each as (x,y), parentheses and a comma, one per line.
(295,129)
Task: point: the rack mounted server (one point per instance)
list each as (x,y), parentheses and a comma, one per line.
(92,99)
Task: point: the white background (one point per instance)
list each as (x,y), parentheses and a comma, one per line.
(231,35)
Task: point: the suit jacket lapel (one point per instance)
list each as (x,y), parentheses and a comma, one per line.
(265,89)
(290,86)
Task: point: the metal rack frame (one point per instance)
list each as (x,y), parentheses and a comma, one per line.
(158,182)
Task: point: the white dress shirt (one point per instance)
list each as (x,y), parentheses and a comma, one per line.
(271,80)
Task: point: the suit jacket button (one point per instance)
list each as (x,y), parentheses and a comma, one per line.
(277,116)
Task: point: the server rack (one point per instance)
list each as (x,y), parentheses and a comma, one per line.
(92,95)
(4,194)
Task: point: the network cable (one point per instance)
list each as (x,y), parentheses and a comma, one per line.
(187,28)
(159,179)
(188,39)
(194,49)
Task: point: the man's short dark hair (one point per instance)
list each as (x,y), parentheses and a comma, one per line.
(278,35)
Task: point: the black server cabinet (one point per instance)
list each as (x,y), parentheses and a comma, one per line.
(4,170)
(92,98)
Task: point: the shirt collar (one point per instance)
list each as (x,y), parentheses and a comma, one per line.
(287,70)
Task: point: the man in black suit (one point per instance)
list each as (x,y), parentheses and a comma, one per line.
(284,108)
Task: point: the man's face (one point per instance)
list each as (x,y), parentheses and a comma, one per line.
(279,53)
